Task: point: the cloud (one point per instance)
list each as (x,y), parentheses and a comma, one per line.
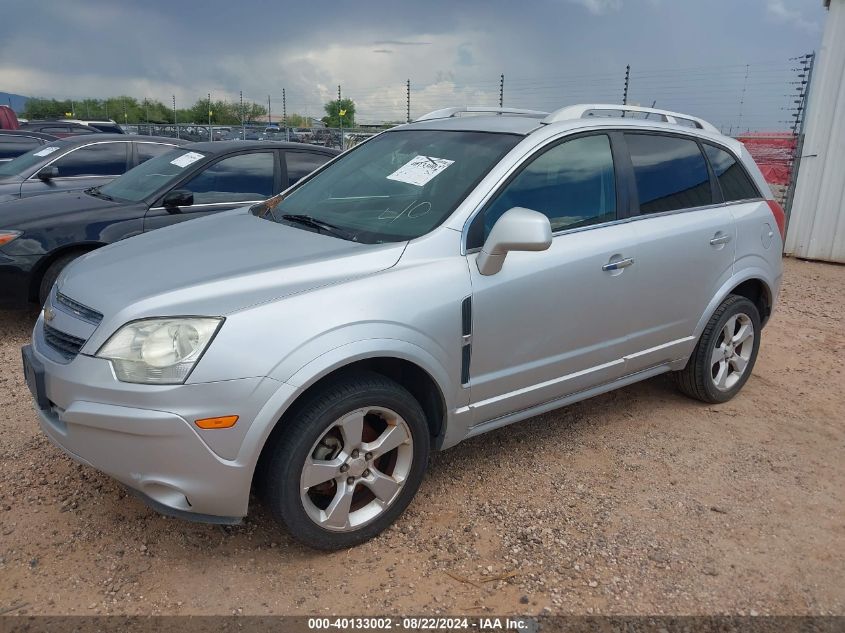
(599,7)
(383,50)
(779,12)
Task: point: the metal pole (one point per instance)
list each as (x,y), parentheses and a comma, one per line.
(501,90)
(285,115)
(72,109)
(125,118)
(798,128)
(210,135)
(243,125)
(340,117)
(175,122)
(625,92)
(269,117)
(408,101)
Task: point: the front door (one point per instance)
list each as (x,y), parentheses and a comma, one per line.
(555,322)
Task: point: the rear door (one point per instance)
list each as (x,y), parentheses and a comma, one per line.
(13,145)
(83,167)
(227,183)
(686,240)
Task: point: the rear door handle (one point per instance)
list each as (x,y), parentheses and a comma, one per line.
(720,238)
(617,265)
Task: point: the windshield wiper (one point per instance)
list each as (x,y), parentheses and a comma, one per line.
(95,191)
(321,225)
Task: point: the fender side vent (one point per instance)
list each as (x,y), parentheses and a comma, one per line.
(466,338)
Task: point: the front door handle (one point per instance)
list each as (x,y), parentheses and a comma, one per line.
(720,238)
(618,265)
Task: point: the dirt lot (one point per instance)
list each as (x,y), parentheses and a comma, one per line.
(639,501)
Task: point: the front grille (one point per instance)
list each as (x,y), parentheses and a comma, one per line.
(74,307)
(65,344)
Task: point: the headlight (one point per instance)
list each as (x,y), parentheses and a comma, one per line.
(159,351)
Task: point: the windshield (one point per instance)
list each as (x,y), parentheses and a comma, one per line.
(21,164)
(150,176)
(397,186)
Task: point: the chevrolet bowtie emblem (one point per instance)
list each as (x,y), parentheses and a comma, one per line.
(49,314)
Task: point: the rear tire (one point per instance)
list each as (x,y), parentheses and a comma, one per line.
(725,354)
(52,273)
(348,462)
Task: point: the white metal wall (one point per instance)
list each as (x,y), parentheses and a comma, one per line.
(817,223)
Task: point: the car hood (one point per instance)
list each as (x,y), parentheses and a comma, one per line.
(215,266)
(44,209)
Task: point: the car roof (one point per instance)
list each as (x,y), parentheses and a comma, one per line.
(31,133)
(85,139)
(507,124)
(219,147)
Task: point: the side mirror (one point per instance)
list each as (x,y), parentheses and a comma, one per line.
(47,173)
(178,198)
(518,229)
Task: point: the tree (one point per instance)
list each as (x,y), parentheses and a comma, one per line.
(333,110)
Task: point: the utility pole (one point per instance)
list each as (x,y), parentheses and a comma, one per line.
(125,118)
(285,114)
(408,101)
(501,90)
(175,122)
(269,118)
(340,117)
(72,109)
(210,135)
(243,125)
(625,92)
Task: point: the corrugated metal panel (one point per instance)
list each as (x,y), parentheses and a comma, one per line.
(817,224)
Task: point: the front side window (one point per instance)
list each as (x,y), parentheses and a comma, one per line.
(398,185)
(572,183)
(670,173)
(732,178)
(102,159)
(235,179)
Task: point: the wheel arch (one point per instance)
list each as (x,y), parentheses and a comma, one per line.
(752,284)
(45,262)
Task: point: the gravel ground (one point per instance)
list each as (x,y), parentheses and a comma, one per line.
(636,502)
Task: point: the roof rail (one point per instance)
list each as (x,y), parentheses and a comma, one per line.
(583,110)
(446,113)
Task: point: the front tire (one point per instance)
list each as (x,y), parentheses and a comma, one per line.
(348,462)
(725,354)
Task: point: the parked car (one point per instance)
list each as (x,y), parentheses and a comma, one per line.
(77,163)
(13,143)
(440,280)
(40,236)
(109,126)
(8,119)
(62,129)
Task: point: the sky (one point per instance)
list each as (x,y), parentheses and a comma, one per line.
(725,60)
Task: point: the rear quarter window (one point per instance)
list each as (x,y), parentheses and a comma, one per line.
(734,182)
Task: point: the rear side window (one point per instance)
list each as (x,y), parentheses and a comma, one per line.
(146,151)
(670,173)
(12,146)
(300,164)
(235,179)
(732,178)
(102,159)
(572,183)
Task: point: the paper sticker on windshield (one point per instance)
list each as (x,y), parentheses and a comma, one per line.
(46,151)
(186,159)
(420,170)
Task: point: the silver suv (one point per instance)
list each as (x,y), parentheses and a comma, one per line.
(442,279)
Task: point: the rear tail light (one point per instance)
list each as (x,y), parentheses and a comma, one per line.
(780,217)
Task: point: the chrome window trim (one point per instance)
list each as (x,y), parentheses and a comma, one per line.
(213,204)
(71,151)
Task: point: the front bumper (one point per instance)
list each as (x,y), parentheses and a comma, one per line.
(144,436)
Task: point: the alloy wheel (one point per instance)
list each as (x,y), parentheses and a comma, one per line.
(732,352)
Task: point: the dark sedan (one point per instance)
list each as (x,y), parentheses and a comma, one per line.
(13,143)
(39,236)
(77,163)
